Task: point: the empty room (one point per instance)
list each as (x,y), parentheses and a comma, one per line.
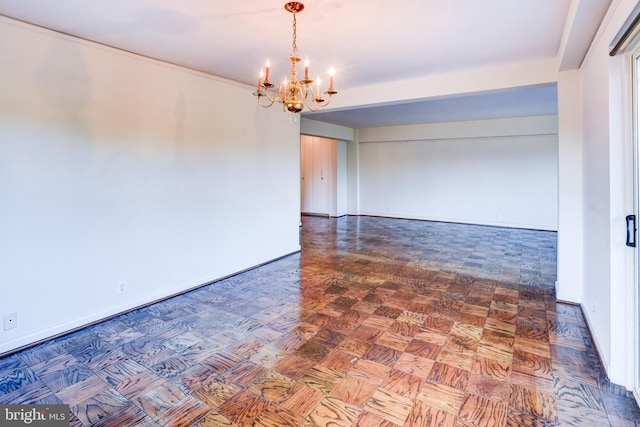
(343,213)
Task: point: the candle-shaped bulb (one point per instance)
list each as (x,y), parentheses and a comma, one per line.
(266,77)
(318,82)
(306,69)
(331,73)
(260,77)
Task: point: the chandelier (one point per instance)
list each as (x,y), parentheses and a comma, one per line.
(294,94)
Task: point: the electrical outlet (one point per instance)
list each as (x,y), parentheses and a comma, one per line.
(122,288)
(10,321)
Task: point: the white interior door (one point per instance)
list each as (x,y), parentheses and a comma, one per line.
(306,175)
(320,182)
(318,170)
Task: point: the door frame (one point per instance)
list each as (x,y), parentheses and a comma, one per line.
(635,114)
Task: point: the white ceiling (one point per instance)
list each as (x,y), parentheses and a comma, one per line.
(368,42)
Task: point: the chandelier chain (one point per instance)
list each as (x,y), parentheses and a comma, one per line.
(295,46)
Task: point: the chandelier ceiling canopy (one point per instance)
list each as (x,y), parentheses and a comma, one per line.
(294,94)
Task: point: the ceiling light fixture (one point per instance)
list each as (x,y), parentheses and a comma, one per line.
(294,94)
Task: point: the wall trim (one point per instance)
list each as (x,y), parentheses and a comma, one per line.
(614,388)
(591,337)
(462,222)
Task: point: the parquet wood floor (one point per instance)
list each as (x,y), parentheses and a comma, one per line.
(377,322)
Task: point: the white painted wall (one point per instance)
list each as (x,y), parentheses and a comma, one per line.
(118,168)
(493,172)
(326,130)
(570,187)
(608,264)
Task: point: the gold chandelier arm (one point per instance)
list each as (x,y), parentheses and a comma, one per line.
(315,106)
(269,104)
(272,94)
(312,102)
(272,97)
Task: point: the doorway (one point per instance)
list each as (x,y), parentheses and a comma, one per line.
(317,174)
(323,176)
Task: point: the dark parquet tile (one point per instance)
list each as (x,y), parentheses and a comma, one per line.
(16,379)
(377,322)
